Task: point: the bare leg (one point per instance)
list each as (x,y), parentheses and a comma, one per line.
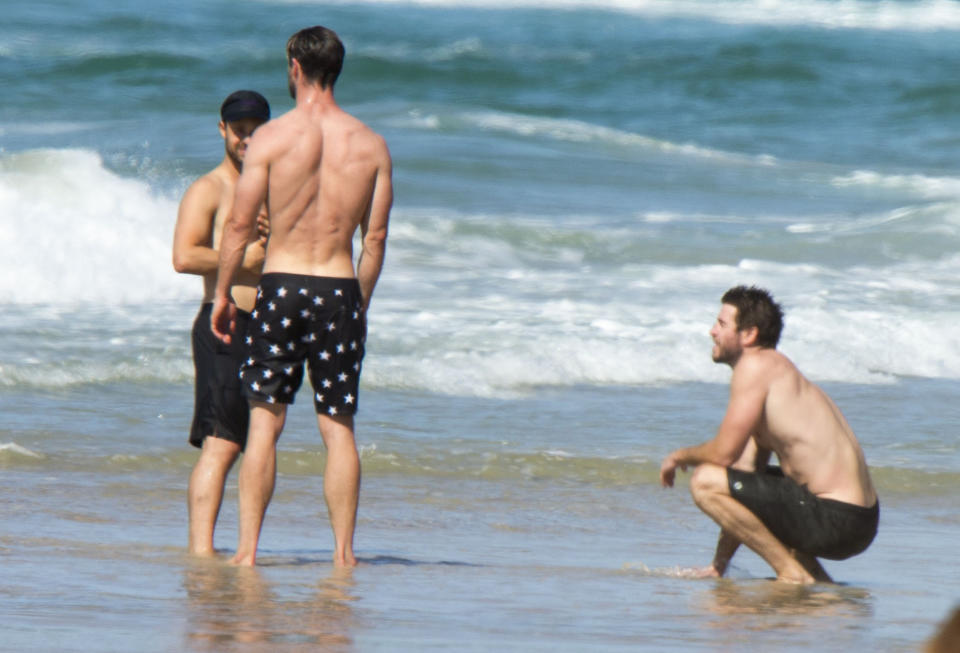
(813,566)
(205,491)
(710,492)
(258,475)
(341,484)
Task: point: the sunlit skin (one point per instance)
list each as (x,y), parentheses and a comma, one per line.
(324,174)
(203,211)
(773,409)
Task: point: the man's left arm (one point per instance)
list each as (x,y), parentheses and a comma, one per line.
(373,229)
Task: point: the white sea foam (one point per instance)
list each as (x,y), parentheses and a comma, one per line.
(83,233)
(14,448)
(919,185)
(481,305)
(882,15)
(577,131)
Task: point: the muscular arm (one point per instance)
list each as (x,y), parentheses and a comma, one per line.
(193,251)
(373,230)
(237,232)
(748,392)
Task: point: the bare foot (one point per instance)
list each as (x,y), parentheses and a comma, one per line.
(347,561)
(243,560)
(699,572)
(796,578)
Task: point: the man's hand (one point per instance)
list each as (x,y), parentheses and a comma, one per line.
(263,226)
(223,318)
(668,470)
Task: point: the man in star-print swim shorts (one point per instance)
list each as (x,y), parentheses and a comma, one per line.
(324,176)
(301,318)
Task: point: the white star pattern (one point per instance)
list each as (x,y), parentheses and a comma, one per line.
(274,349)
(271,306)
(342,377)
(271,400)
(281,292)
(267,374)
(326,383)
(319,397)
(340,348)
(255,386)
(291,346)
(348,398)
(288,370)
(353,345)
(285,322)
(303,291)
(338,292)
(259,293)
(324,355)
(249,340)
(356,367)
(305,314)
(356,315)
(288,389)
(332,410)
(249,361)
(255,314)
(265,327)
(331,326)
(318,301)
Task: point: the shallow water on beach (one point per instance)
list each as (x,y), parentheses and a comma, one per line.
(554,551)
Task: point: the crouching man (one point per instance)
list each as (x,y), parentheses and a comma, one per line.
(820,501)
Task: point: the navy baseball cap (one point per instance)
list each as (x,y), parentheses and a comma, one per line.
(244,104)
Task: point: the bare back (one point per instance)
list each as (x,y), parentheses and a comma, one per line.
(323,167)
(809,434)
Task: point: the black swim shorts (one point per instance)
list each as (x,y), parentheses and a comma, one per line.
(220,409)
(823,528)
(301,318)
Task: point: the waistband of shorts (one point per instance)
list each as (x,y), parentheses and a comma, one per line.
(206,308)
(852,507)
(319,283)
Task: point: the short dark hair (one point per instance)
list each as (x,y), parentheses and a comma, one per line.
(756,308)
(319,52)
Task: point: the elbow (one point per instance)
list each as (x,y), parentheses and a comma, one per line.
(375,241)
(180,263)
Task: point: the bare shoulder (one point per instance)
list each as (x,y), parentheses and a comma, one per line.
(205,191)
(763,366)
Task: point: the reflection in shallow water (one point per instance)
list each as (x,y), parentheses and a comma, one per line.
(232,605)
(797,612)
(731,597)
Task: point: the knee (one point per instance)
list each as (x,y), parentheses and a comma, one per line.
(707,479)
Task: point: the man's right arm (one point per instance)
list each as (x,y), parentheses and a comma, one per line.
(373,230)
(193,251)
(251,192)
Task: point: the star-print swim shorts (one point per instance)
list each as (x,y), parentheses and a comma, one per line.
(301,318)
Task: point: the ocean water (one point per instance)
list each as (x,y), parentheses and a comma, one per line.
(577,182)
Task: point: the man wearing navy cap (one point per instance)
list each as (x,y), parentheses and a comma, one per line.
(221,413)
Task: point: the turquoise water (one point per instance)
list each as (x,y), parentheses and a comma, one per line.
(577,184)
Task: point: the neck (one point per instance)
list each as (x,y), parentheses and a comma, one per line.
(313,95)
(233,168)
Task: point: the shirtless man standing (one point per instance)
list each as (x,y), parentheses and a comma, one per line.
(820,502)
(323,174)
(220,411)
